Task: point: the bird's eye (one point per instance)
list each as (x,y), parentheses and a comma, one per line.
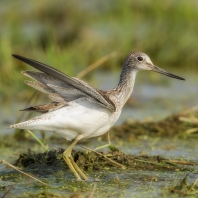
(139,58)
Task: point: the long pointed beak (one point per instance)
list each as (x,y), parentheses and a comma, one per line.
(161,71)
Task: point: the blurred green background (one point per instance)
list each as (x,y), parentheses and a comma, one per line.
(70,35)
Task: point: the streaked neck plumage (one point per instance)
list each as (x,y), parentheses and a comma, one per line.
(126,82)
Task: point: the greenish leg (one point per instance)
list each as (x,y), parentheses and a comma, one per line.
(70,162)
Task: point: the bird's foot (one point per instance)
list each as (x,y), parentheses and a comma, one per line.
(73,166)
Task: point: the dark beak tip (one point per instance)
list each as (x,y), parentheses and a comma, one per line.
(161,71)
(180,78)
(15,56)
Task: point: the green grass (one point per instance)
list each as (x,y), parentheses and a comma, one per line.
(71,35)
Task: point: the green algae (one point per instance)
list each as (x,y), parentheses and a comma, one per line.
(184,188)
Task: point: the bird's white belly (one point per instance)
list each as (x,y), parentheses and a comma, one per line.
(79,117)
(88,119)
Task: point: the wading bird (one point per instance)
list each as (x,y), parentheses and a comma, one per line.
(79,110)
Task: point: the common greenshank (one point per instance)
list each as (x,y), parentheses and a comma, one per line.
(79,110)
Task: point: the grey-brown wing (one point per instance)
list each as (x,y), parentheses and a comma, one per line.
(88,90)
(46,107)
(50,85)
(39,86)
(56,97)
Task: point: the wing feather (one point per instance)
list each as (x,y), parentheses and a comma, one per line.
(83,87)
(48,84)
(46,107)
(39,86)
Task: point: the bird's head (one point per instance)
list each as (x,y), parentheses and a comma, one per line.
(141,61)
